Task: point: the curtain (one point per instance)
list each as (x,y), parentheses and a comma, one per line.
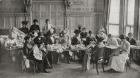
(106,14)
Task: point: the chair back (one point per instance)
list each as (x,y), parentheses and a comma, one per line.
(99,53)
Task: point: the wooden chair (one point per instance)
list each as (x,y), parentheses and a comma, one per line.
(33,66)
(127,64)
(99,58)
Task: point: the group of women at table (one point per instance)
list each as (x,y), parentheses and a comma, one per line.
(120,49)
(37,44)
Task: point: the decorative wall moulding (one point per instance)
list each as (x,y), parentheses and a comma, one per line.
(14,14)
(47,1)
(84,13)
(81,9)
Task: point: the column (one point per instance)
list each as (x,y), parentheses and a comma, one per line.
(136,19)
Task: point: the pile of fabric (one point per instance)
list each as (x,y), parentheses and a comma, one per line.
(78,47)
(55,47)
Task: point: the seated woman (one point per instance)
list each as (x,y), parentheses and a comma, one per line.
(64,41)
(51,40)
(132,41)
(83,35)
(76,38)
(111,42)
(99,49)
(77,41)
(39,50)
(41,55)
(119,59)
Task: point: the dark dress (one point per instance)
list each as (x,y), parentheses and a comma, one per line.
(131,41)
(25,30)
(51,54)
(34,28)
(82,36)
(75,41)
(79,54)
(88,40)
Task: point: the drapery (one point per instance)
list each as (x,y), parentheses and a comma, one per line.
(106,14)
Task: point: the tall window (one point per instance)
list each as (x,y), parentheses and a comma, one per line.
(128,20)
(130,16)
(114,17)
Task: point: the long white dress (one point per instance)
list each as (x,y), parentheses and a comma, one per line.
(118,62)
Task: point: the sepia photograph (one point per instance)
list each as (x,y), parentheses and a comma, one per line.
(69,38)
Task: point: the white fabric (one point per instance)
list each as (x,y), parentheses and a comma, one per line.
(52,38)
(112,42)
(35,34)
(50,26)
(102,34)
(37,53)
(10,43)
(17,34)
(27,63)
(118,62)
(70,53)
(55,47)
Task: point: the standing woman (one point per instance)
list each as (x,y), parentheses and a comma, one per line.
(24,28)
(89,43)
(35,29)
(119,60)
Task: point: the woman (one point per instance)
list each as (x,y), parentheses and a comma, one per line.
(119,60)
(83,35)
(50,40)
(35,26)
(130,39)
(90,43)
(76,38)
(64,41)
(111,42)
(75,41)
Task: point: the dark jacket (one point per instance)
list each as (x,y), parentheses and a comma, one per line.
(131,41)
(88,40)
(49,40)
(83,34)
(25,30)
(34,28)
(75,41)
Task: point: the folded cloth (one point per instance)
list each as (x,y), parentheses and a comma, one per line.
(37,53)
(27,63)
